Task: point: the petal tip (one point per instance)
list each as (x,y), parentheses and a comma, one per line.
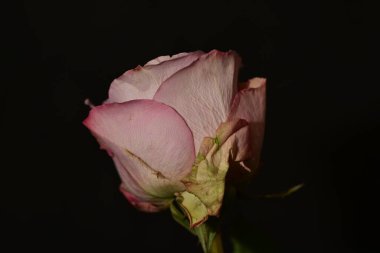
(253,83)
(257,82)
(216,52)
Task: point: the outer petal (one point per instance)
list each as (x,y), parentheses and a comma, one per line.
(249,104)
(151,145)
(138,203)
(167,58)
(143,82)
(202,92)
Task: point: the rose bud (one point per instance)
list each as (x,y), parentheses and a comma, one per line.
(173,126)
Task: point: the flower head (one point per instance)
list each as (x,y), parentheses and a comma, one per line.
(173,126)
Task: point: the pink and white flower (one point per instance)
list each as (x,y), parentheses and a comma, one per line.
(158,118)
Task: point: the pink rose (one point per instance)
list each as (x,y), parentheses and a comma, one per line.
(162,120)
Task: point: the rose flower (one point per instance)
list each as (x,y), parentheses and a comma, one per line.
(173,126)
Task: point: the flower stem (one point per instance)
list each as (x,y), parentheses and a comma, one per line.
(217,245)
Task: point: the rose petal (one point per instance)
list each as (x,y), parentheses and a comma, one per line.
(129,183)
(136,202)
(150,143)
(202,92)
(165,58)
(243,144)
(240,129)
(249,104)
(143,82)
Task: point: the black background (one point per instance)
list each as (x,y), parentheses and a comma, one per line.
(59,191)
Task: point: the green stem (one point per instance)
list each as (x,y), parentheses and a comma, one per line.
(217,245)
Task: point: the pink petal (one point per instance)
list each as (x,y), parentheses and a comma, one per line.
(243,145)
(166,58)
(202,92)
(249,104)
(151,145)
(143,82)
(141,205)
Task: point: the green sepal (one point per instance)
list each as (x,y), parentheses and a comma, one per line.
(206,181)
(205,232)
(206,235)
(193,207)
(180,217)
(283,194)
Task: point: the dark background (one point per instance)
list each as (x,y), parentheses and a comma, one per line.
(59,191)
